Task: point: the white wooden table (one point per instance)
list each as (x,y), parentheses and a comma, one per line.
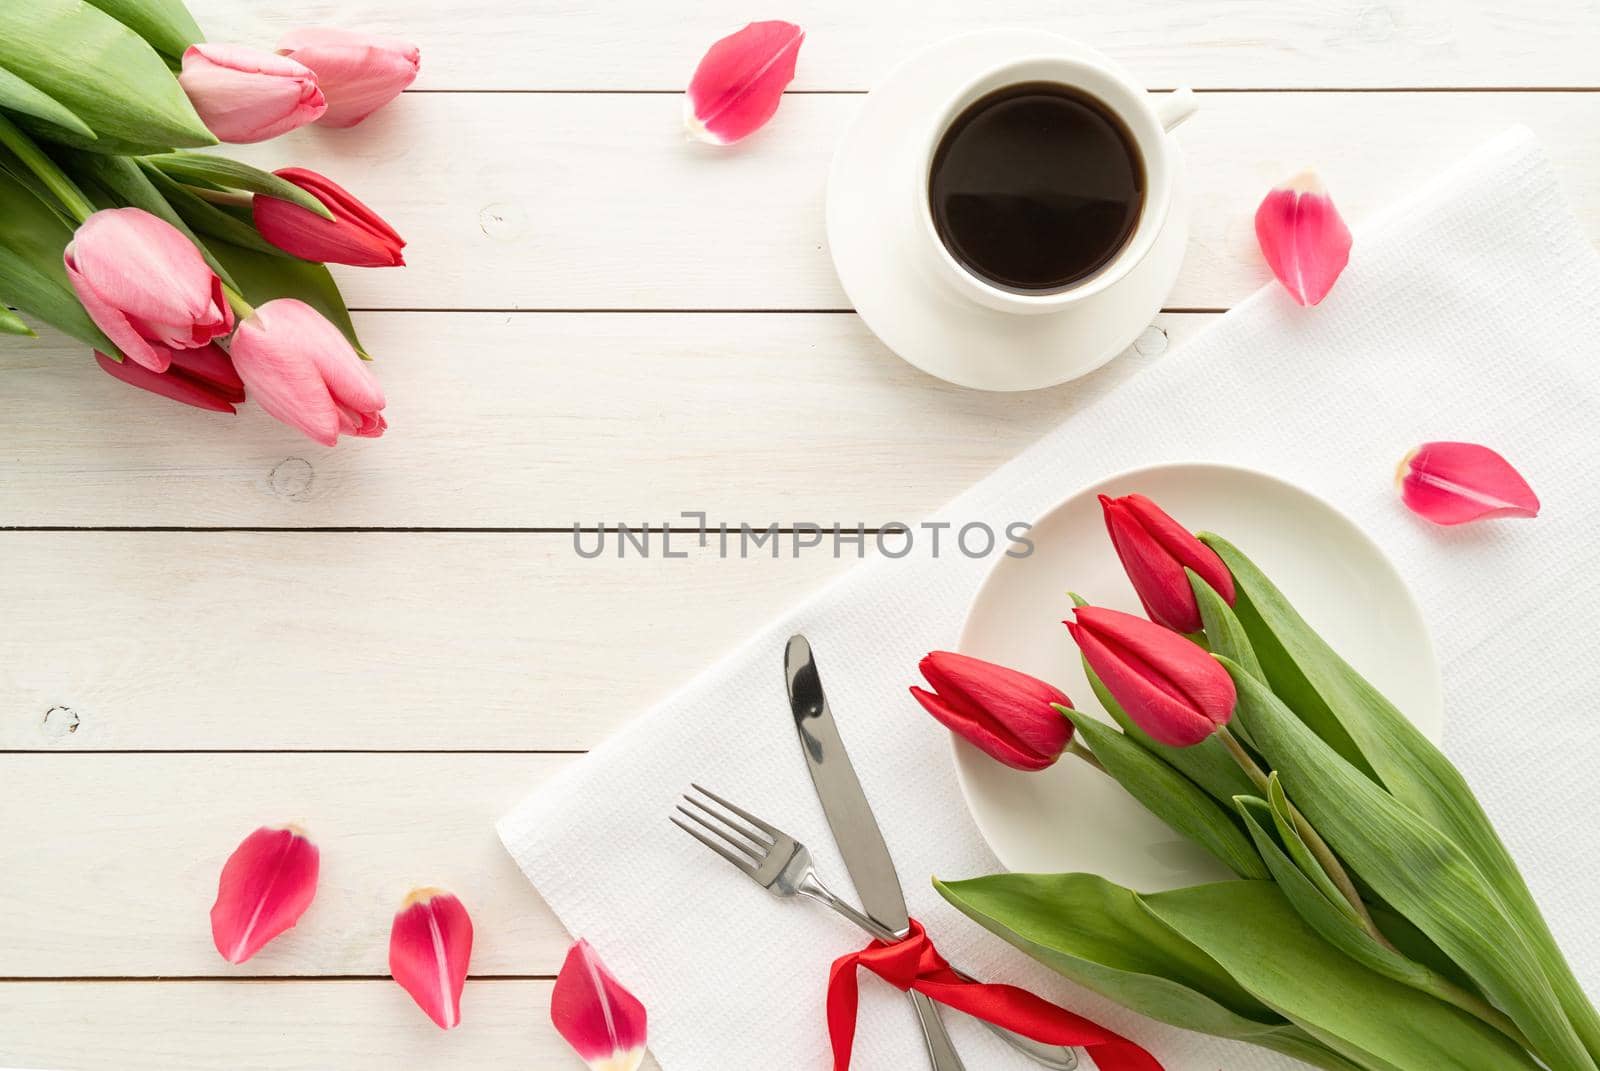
(207,624)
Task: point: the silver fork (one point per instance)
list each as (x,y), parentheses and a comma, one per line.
(782,865)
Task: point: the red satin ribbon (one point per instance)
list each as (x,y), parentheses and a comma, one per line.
(915,964)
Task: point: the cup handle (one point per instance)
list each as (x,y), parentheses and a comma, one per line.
(1175,107)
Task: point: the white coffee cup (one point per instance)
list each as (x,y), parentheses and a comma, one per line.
(1149,119)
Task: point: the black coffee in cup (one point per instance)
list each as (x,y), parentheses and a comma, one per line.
(1036,187)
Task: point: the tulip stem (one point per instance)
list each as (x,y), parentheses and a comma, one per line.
(1319,848)
(241,308)
(231,198)
(1077,749)
(45,170)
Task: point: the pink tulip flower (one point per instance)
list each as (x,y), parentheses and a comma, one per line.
(1171,688)
(355,235)
(1155,550)
(304,372)
(145,285)
(1008,715)
(359,73)
(244,94)
(203,378)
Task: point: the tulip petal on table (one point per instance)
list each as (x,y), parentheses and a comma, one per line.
(1452,483)
(740,81)
(1303,237)
(430,948)
(265,886)
(603,1022)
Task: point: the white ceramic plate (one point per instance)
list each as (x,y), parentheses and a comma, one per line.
(1072,818)
(872,226)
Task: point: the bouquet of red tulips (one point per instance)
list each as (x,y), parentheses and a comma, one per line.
(1377,922)
(188,274)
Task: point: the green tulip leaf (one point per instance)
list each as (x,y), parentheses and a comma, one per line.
(21,97)
(1326,912)
(166,24)
(11,324)
(1169,795)
(263,277)
(207,218)
(1415,868)
(1323,689)
(32,240)
(103,72)
(1207,764)
(230,174)
(1252,932)
(1299,851)
(1225,634)
(1097,934)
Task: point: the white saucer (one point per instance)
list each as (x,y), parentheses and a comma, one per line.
(870,234)
(1072,818)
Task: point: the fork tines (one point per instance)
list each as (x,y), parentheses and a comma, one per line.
(736,841)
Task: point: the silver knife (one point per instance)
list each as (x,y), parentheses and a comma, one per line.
(856,832)
(866,856)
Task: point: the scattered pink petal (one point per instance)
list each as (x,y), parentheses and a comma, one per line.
(430,946)
(602,1021)
(740,81)
(1303,238)
(1453,483)
(266,885)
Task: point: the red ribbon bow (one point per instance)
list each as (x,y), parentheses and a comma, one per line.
(914,964)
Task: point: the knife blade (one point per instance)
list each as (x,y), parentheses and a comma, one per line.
(860,841)
(855,830)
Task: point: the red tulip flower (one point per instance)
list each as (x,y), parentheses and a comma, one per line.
(356,235)
(204,378)
(1176,692)
(1155,550)
(145,285)
(1008,715)
(303,371)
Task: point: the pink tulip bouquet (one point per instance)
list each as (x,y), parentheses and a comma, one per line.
(1376,921)
(189,275)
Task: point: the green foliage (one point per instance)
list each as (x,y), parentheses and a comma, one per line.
(166,24)
(101,71)
(1415,869)
(1169,795)
(1323,690)
(32,240)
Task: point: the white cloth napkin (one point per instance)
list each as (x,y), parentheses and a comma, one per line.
(1471,311)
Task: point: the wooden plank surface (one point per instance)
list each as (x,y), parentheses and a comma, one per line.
(642,44)
(380,640)
(164,692)
(356,1025)
(541,421)
(113,859)
(609,206)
